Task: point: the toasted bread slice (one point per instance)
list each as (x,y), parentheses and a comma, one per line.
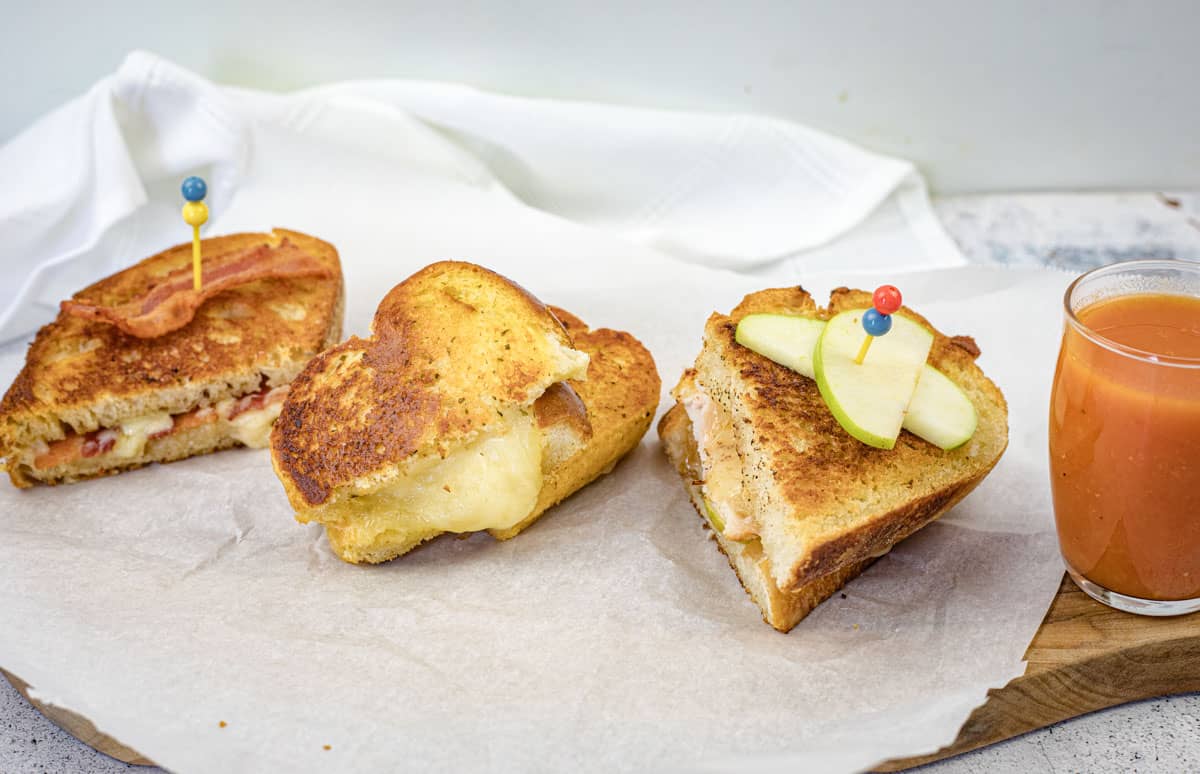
(362,536)
(86,383)
(619,395)
(471,407)
(820,504)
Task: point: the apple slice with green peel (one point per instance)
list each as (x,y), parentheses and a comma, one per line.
(787,339)
(717,523)
(714,518)
(870,400)
(940,412)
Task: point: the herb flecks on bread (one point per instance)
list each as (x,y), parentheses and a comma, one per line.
(805,505)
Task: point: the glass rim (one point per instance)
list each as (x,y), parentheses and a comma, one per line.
(1143,355)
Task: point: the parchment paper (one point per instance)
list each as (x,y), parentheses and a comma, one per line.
(612,635)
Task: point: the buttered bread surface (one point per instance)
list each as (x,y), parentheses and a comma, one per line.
(459,414)
(90,384)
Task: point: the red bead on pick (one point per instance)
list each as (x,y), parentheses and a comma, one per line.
(886,299)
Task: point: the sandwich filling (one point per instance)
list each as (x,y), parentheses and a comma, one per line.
(248,420)
(720,466)
(491,483)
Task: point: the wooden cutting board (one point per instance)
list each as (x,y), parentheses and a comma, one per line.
(1084,657)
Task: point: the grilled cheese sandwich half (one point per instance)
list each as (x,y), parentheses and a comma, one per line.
(798,505)
(93,399)
(471,407)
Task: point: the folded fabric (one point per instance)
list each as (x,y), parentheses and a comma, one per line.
(100,174)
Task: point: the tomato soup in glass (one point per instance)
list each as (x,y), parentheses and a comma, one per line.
(1125,436)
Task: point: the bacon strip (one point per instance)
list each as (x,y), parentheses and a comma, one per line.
(74,447)
(97,442)
(258,401)
(172,303)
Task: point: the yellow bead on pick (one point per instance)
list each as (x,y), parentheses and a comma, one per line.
(195,214)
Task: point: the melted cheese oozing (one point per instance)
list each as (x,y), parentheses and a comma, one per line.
(253,428)
(493,483)
(136,431)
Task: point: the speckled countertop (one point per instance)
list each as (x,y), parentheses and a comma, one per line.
(1068,231)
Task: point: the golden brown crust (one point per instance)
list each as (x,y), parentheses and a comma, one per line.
(621,394)
(622,388)
(76,361)
(80,374)
(567,320)
(586,425)
(780,609)
(451,346)
(792,300)
(835,500)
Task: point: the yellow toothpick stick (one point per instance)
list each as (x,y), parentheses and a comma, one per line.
(862,351)
(195,214)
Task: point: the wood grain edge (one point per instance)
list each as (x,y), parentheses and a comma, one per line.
(79,727)
(1085,657)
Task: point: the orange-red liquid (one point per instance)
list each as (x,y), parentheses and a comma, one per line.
(1125,449)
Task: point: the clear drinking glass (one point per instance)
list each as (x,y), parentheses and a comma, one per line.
(1125,436)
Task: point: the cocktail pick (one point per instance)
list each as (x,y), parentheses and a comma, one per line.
(877,321)
(195,214)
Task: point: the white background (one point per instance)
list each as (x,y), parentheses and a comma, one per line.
(982,95)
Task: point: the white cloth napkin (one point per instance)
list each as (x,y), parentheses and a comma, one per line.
(93,186)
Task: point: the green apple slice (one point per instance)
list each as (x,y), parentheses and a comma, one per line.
(717,523)
(870,400)
(940,412)
(787,339)
(714,518)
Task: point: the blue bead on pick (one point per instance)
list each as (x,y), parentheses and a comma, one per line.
(876,324)
(194,189)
